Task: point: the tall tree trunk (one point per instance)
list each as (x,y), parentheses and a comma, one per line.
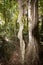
(32,49)
(22,44)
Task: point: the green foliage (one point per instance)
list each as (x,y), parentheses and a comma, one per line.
(9,12)
(40,8)
(8,19)
(40,12)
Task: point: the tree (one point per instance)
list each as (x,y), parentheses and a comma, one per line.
(32,49)
(22,44)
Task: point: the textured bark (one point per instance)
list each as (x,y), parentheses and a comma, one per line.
(32,49)
(22,44)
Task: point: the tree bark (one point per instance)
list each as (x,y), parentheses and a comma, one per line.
(22,44)
(32,49)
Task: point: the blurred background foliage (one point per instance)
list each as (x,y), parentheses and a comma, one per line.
(40,12)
